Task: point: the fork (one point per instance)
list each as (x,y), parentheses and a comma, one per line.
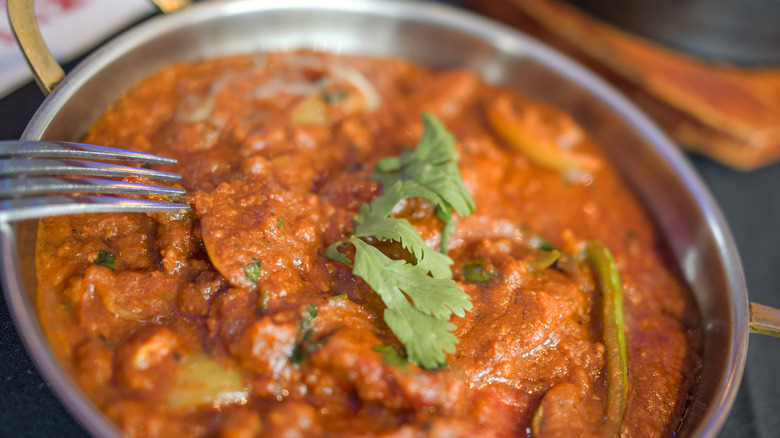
(32,170)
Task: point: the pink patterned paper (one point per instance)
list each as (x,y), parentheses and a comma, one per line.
(69,27)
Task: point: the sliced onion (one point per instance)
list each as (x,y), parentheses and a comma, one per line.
(202,381)
(363,85)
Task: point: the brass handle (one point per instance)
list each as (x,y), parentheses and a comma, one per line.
(764,320)
(44,67)
(167,6)
(46,70)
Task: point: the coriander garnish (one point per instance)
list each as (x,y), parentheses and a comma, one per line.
(252,270)
(306,346)
(105,259)
(390,356)
(429,172)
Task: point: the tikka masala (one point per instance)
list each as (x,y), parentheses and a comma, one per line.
(227,319)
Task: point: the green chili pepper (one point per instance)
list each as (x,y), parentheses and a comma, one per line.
(614,333)
(536,240)
(543,260)
(541,148)
(479,271)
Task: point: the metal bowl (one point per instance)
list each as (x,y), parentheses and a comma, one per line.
(440,37)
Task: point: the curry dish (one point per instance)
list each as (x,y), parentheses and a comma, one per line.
(258,311)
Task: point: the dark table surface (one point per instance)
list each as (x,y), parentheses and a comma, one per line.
(750,202)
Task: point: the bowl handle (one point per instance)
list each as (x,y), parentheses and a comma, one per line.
(764,320)
(171,5)
(46,70)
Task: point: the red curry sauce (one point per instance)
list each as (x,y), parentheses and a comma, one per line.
(175,338)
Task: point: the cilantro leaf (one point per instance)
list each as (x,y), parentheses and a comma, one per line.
(390,356)
(400,230)
(332,252)
(426,338)
(432,165)
(390,278)
(420,296)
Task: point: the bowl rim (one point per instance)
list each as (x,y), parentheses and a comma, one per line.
(496,34)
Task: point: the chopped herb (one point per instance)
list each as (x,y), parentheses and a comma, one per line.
(307,322)
(252,270)
(335,98)
(338,297)
(479,271)
(296,356)
(105,259)
(391,356)
(429,172)
(305,347)
(280,224)
(302,352)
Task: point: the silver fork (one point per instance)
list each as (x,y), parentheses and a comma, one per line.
(32,170)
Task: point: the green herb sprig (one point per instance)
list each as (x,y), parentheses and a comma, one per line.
(431,172)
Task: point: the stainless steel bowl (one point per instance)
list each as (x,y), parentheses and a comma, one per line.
(441,37)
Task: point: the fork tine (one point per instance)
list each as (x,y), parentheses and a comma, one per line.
(42,166)
(33,208)
(35,169)
(64,149)
(47,185)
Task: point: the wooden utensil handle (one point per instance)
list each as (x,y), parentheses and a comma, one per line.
(764,320)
